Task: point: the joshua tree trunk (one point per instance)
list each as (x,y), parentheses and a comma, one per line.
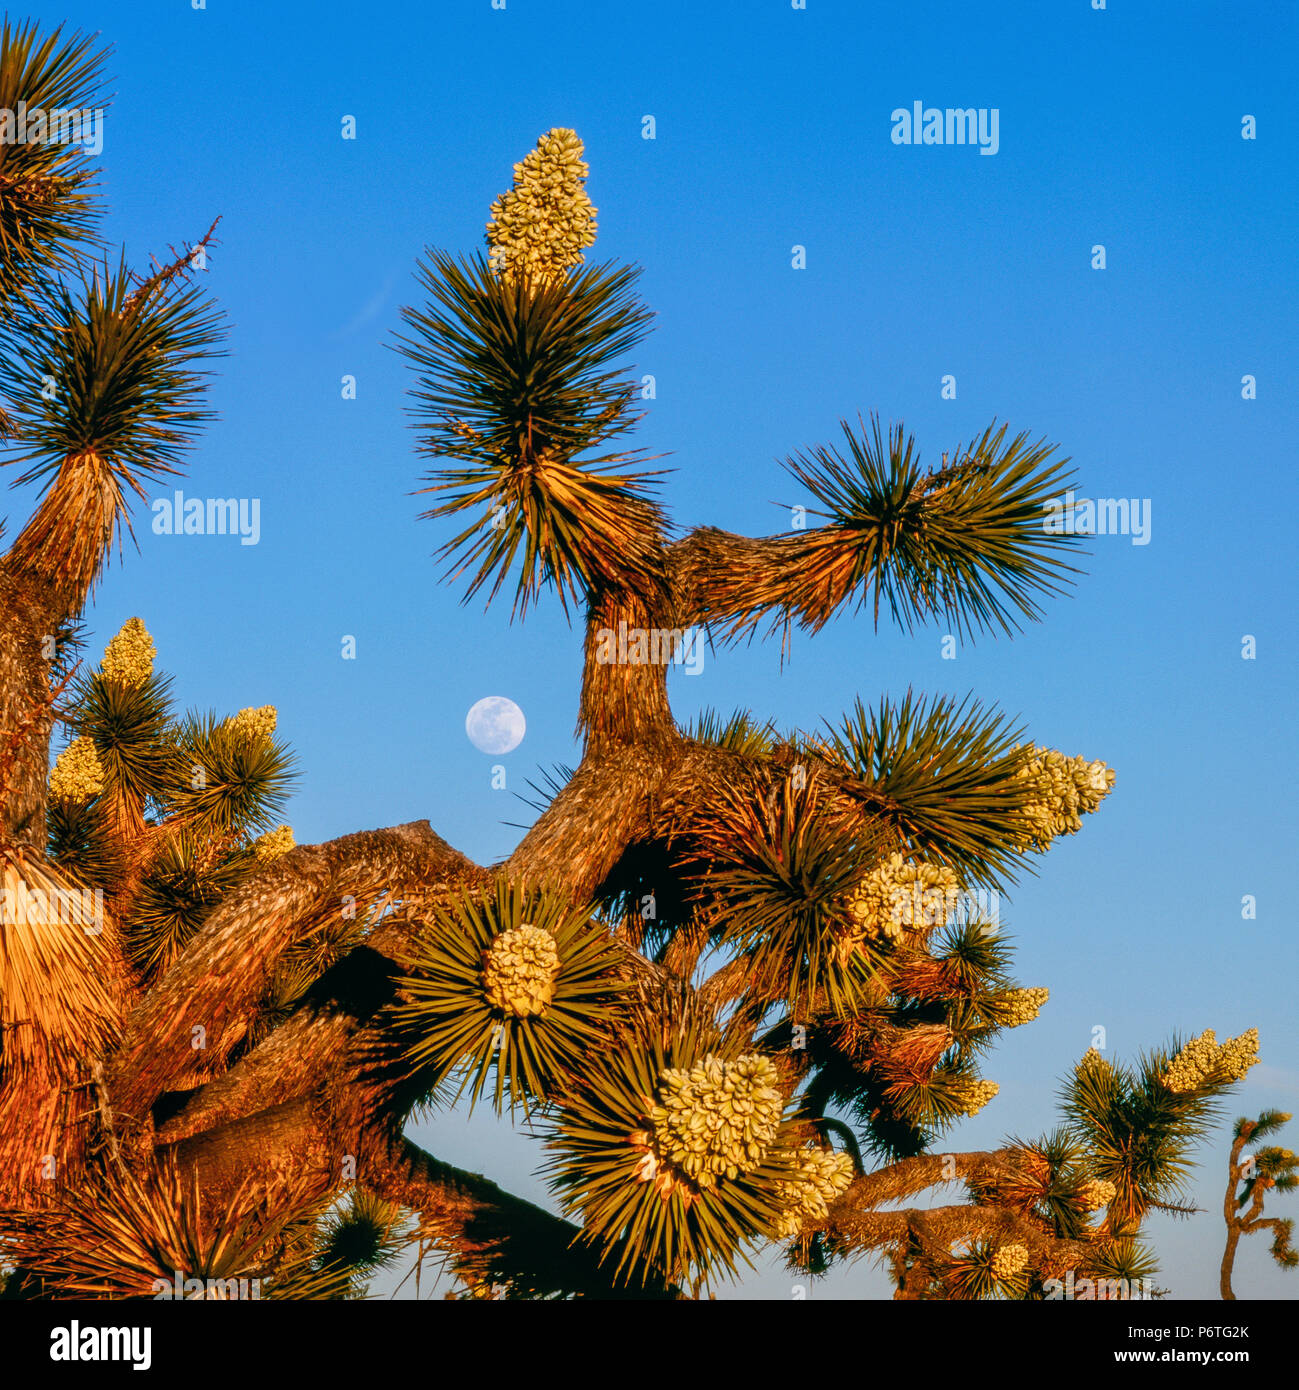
(26,714)
(1229,1258)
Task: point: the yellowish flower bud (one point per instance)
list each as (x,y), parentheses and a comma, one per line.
(719,1118)
(1008,1260)
(254,723)
(1022,1005)
(128,658)
(822,1176)
(1097,1193)
(1204,1060)
(899,896)
(545,222)
(974,1095)
(519,970)
(274,844)
(1062,791)
(78,775)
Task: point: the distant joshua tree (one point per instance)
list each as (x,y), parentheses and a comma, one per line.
(1249,1179)
(741,981)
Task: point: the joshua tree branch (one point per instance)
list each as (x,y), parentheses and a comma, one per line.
(733,581)
(937,1229)
(227,966)
(911,1175)
(493,1236)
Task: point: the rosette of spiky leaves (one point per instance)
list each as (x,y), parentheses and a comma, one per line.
(646,896)
(1128,1260)
(739,732)
(450,1023)
(125,355)
(515,388)
(983,1272)
(326,938)
(1269,1122)
(182,882)
(937,1094)
(944,775)
(85,845)
(47,207)
(1140,1134)
(1047,1183)
(131,728)
(777,867)
(634,1207)
(357,1240)
(965,542)
(923,1013)
(973,957)
(230,784)
(849,1080)
(114,1233)
(1117,1269)
(965,974)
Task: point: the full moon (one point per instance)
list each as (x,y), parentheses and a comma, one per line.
(495,725)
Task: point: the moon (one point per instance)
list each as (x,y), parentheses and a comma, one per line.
(495,724)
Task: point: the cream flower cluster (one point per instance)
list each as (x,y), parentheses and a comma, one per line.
(545,222)
(823,1175)
(719,1118)
(78,774)
(1091,1060)
(1097,1193)
(274,844)
(1008,1260)
(519,970)
(128,658)
(1204,1059)
(1022,1005)
(974,1095)
(254,723)
(898,896)
(1063,790)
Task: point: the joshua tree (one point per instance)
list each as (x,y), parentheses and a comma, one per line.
(741,980)
(1249,1178)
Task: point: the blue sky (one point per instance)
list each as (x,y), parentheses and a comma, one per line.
(1119,127)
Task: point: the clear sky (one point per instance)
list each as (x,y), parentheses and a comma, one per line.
(1120,128)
